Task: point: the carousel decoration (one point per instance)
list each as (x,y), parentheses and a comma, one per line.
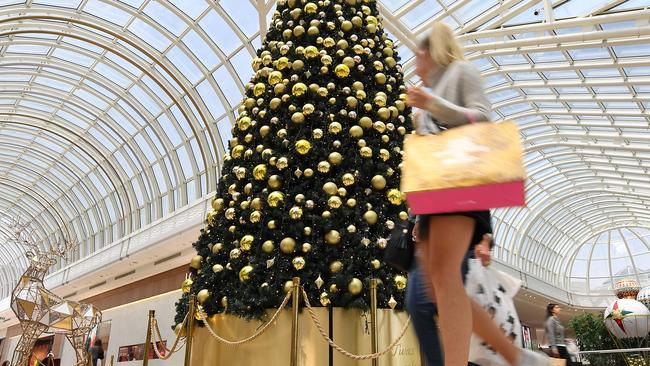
(644,296)
(40,310)
(628,321)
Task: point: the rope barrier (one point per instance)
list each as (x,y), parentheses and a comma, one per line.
(249,339)
(155,331)
(339,348)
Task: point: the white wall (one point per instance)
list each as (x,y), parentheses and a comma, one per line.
(129,326)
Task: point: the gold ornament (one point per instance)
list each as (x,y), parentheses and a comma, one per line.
(297,65)
(400,282)
(298,263)
(365,122)
(356,132)
(303,147)
(326,214)
(217,268)
(335,128)
(307,230)
(268,247)
(224,301)
(330,188)
(274,104)
(383,113)
(348,61)
(392,303)
(334,288)
(259,89)
(196,262)
(380,78)
(352,202)
(203,295)
(306,247)
(288,286)
(299,89)
(235,253)
(275,199)
(246,242)
(348,179)
(342,192)
(324,299)
(283,63)
(341,71)
(244,123)
(403,215)
(288,245)
(298,31)
(275,77)
(237,151)
(394,196)
(244,273)
(378,182)
(355,286)
(323,167)
(384,154)
(375,263)
(259,172)
(311,52)
(274,182)
(216,248)
(401,130)
(370,217)
(334,202)
(333,237)
(217,204)
(187,285)
(211,216)
(317,133)
(308,109)
(295,212)
(336,266)
(346,26)
(256,204)
(313,30)
(335,158)
(298,117)
(366,152)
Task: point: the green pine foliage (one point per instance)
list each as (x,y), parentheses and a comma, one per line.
(310,184)
(592,335)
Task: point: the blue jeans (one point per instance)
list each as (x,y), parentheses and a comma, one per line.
(423,312)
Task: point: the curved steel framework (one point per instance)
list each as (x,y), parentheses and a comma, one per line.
(114,114)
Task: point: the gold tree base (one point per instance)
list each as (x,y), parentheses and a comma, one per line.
(274,347)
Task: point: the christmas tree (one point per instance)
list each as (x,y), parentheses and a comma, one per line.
(310,185)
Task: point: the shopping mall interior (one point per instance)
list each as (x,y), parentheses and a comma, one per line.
(122,122)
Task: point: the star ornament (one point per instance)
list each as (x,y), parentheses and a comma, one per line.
(618,315)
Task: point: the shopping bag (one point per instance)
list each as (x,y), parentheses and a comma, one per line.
(469,168)
(557,361)
(494,291)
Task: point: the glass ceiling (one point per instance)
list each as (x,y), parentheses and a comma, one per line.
(113,114)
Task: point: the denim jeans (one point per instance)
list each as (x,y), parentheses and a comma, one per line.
(423,312)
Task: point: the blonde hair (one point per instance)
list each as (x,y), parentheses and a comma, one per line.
(442,45)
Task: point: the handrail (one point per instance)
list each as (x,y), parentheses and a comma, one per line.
(622,350)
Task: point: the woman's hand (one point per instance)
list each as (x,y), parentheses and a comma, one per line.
(416,231)
(417,97)
(482,250)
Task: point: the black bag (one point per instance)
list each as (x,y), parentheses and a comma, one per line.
(400,250)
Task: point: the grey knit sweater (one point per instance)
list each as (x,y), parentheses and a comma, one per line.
(460,98)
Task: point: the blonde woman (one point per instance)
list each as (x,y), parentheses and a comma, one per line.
(456,98)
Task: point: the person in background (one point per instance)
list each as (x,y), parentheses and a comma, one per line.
(96,352)
(555,333)
(456,98)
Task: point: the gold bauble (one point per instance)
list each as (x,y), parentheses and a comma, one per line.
(323,167)
(326,214)
(295,212)
(341,71)
(336,266)
(322,92)
(298,263)
(334,202)
(365,122)
(346,26)
(383,113)
(268,247)
(217,268)
(303,147)
(235,253)
(244,123)
(349,62)
(187,285)
(330,188)
(283,63)
(259,172)
(384,154)
(351,202)
(288,245)
(342,44)
(324,299)
(403,215)
(375,263)
(352,102)
(299,30)
(317,133)
(298,117)
(288,286)
(299,89)
(216,248)
(308,109)
(334,128)
(348,179)
(274,182)
(249,103)
(218,204)
(275,198)
(280,89)
(196,262)
(378,182)
(370,217)
(380,100)
(355,286)
(311,51)
(245,273)
(400,282)
(224,301)
(335,158)
(247,189)
(211,216)
(357,21)
(313,30)
(401,130)
(390,62)
(203,295)
(275,77)
(333,237)
(256,204)
(366,152)
(333,288)
(307,230)
(306,247)
(246,242)
(394,196)
(380,78)
(308,173)
(274,104)
(356,132)
(237,151)
(342,192)
(297,65)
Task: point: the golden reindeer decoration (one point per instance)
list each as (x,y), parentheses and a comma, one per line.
(41,311)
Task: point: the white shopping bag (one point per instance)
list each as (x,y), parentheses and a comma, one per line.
(494,291)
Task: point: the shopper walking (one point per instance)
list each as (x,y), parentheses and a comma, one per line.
(96,351)
(457,98)
(555,333)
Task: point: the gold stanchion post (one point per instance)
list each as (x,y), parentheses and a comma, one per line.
(147,342)
(294,323)
(189,331)
(373,318)
(112,358)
